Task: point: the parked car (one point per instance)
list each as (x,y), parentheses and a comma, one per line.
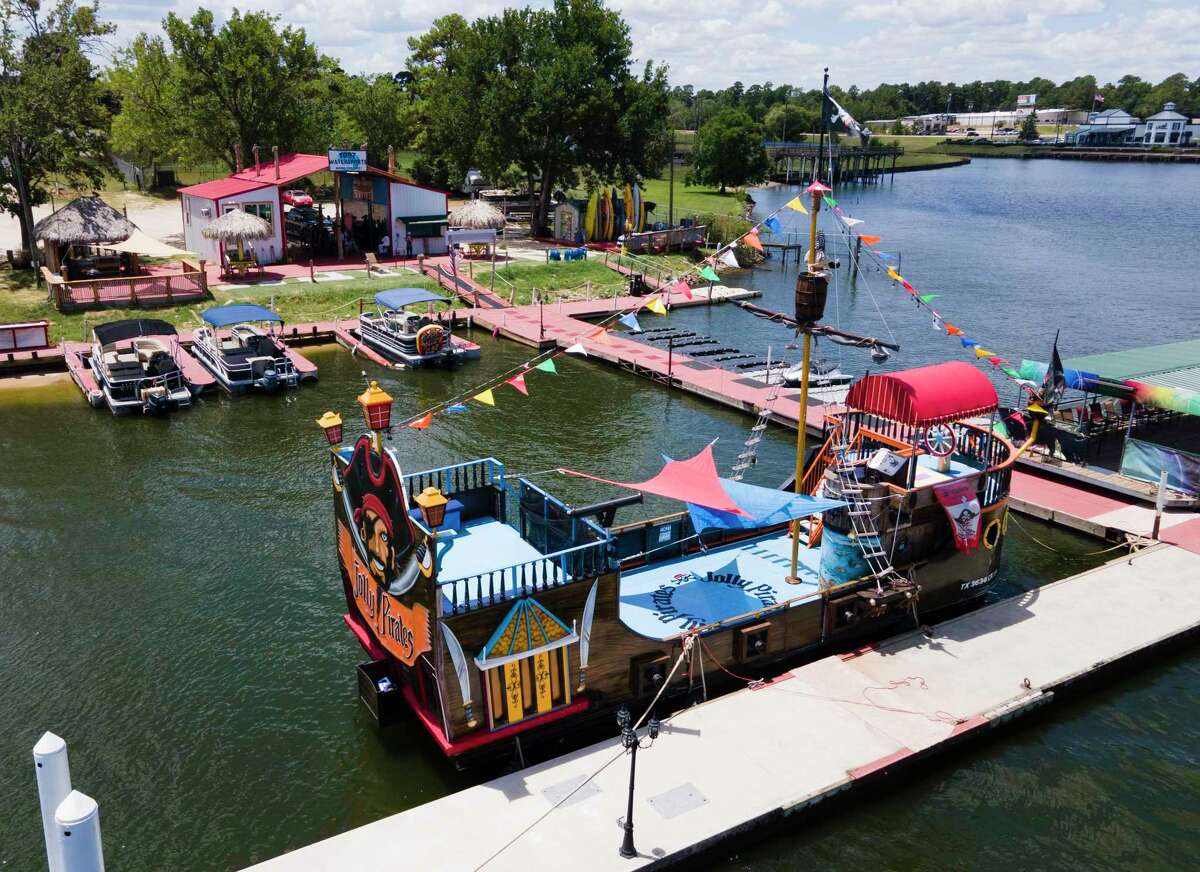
(971,132)
(296,197)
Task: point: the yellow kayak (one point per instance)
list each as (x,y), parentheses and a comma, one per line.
(589,220)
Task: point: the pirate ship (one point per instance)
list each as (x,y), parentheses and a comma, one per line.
(494,609)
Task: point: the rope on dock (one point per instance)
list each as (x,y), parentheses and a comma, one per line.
(1133,541)
(687,647)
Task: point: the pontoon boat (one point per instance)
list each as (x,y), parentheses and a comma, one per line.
(251,355)
(411,338)
(135,363)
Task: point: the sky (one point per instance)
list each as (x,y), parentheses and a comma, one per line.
(713,43)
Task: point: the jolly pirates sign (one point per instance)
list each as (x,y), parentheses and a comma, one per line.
(962,507)
(381,553)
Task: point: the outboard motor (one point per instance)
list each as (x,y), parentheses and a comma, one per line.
(156,401)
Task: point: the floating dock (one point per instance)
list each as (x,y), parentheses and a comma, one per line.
(828,728)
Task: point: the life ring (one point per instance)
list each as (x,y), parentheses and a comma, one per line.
(991,534)
(940,440)
(430,339)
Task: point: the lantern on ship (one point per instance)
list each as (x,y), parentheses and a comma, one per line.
(432,503)
(331,423)
(377,407)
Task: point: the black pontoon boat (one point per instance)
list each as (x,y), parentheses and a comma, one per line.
(135,362)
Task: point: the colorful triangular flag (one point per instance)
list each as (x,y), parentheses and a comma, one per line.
(485,397)
(852,222)
(772,224)
(893,275)
(422,422)
(547,365)
(456,407)
(751,239)
(871,240)
(837,210)
(656,306)
(709,275)
(818,188)
(728,258)
(937,324)
(968,343)
(951,330)
(518,382)
(928,298)
(980,351)
(682,287)
(830,202)
(577,348)
(630,320)
(796,205)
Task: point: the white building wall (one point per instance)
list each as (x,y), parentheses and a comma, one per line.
(197,212)
(413,201)
(267,251)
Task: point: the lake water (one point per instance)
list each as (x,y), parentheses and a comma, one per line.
(169,601)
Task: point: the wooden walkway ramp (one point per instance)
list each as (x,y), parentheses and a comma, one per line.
(832,726)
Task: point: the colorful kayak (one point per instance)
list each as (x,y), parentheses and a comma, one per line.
(589,220)
(639,220)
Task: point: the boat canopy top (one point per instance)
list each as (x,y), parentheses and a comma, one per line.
(926,395)
(398,298)
(236,313)
(116,331)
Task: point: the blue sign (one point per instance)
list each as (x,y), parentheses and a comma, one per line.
(348,161)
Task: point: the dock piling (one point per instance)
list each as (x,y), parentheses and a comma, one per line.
(77,833)
(54,785)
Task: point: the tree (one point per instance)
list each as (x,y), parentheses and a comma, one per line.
(547,91)
(53,116)
(149,126)
(1029,130)
(787,121)
(728,151)
(372,110)
(249,83)
(897,128)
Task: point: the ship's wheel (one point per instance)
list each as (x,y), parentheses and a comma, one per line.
(940,440)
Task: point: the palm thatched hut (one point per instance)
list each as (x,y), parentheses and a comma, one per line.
(238,226)
(85,221)
(477,215)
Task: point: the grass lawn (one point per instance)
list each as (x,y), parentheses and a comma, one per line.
(690,200)
(556,279)
(297,302)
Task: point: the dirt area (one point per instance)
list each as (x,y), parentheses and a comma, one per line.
(161,218)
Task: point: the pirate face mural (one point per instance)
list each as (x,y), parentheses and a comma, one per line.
(375,509)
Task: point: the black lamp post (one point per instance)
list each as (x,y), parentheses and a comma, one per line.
(631,741)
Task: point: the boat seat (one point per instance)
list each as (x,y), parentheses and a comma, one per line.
(124,369)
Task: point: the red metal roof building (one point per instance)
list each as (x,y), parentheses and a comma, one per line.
(405,208)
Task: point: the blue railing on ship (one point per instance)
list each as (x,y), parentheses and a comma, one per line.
(458,477)
(527,578)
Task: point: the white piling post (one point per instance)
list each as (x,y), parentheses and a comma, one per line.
(54,785)
(77,830)
(1160,503)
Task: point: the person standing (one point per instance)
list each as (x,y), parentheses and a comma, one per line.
(408,243)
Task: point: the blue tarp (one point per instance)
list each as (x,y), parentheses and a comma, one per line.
(237,313)
(398,298)
(764,507)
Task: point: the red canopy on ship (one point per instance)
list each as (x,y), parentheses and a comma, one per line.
(693,480)
(926,395)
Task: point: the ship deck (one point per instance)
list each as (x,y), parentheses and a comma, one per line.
(661,600)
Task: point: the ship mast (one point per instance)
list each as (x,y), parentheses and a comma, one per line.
(811,288)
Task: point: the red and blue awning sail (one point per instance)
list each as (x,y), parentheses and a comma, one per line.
(720,503)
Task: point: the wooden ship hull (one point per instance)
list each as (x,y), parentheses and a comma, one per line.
(495,610)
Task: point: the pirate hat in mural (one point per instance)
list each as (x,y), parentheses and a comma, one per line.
(376,510)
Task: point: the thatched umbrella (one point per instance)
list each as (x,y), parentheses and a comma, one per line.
(83,221)
(238,226)
(477,215)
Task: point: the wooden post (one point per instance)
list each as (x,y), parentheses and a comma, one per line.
(337,210)
(1160,502)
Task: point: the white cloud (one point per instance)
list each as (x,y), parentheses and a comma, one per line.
(712,43)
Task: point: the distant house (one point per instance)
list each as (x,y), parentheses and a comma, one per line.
(1110,127)
(1167,127)
(1117,127)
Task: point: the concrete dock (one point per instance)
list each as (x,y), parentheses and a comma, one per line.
(766,754)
